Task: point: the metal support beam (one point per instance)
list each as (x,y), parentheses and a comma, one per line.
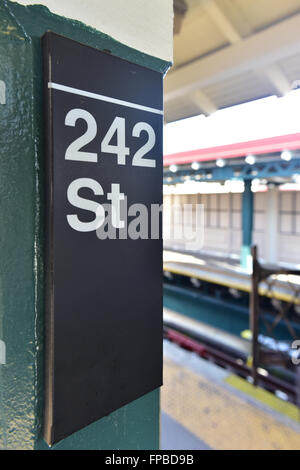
(278,79)
(237,171)
(262,356)
(254,313)
(203,102)
(273,72)
(258,51)
(221,21)
(247,225)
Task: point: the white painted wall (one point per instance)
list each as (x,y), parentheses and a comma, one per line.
(146,25)
(276,229)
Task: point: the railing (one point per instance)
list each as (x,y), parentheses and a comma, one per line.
(262,355)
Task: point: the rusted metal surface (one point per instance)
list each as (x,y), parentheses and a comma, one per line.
(271,383)
(260,355)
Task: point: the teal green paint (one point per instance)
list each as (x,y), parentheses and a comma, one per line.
(230,315)
(135,426)
(19,179)
(247,225)
(230,318)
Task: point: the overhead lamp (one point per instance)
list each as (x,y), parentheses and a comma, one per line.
(173,168)
(250,159)
(195,166)
(286,155)
(220,163)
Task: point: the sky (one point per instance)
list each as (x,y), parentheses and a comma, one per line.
(258,119)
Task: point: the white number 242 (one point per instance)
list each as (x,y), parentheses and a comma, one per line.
(117,127)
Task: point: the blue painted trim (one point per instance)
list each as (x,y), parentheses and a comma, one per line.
(247,224)
(234,171)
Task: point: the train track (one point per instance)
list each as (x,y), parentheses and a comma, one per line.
(213,353)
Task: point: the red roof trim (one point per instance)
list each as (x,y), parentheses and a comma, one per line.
(256,147)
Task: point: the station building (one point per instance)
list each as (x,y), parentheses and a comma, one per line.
(228,330)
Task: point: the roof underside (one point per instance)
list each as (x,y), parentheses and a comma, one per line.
(232,51)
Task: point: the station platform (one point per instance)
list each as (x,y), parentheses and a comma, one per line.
(206,407)
(228,272)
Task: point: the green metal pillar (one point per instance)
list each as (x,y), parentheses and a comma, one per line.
(135,426)
(247,225)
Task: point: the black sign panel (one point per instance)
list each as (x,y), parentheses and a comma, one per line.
(104,250)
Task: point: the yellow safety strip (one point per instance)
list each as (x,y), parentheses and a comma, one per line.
(234,285)
(269,399)
(218,417)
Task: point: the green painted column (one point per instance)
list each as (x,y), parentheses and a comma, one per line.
(247,225)
(135,426)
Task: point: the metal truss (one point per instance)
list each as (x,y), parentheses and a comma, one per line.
(232,171)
